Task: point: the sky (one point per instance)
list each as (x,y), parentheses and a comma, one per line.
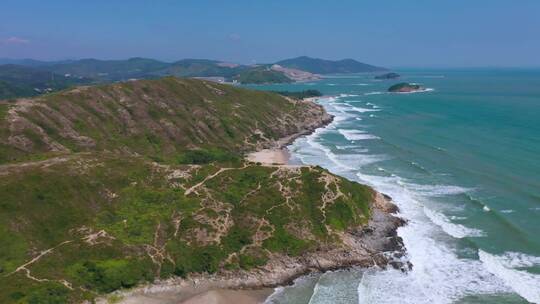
(392,33)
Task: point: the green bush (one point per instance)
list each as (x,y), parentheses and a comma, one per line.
(48,293)
(196,259)
(108,275)
(282,241)
(237,238)
(206,156)
(249,261)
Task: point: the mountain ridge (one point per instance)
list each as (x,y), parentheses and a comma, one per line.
(106,71)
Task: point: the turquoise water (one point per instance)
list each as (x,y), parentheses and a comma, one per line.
(462,161)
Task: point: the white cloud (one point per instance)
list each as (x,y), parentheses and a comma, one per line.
(234,37)
(14,41)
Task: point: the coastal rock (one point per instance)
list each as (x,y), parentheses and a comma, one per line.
(405,87)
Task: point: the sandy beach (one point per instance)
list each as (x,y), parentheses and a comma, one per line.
(270,156)
(222,296)
(201,295)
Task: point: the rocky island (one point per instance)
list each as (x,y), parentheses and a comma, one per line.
(133,191)
(405,87)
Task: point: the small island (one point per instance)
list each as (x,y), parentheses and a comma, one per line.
(388,76)
(405,87)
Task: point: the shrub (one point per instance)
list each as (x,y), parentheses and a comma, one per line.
(206,156)
(282,241)
(48,293)
(108,275)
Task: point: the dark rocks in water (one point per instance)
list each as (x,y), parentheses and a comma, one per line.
(391,75)
(405,87)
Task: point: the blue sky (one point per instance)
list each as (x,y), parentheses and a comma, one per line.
(384,32)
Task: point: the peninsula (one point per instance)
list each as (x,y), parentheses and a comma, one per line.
(131,190)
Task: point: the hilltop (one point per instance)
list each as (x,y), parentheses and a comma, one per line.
(112,186)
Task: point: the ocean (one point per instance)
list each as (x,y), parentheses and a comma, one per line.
(461,161)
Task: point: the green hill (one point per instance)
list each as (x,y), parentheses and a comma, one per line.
(149,117)
(322,66)
(107,187)
(110,70)
(24,81)
(202,68)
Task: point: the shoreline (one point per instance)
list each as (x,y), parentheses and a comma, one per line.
(373,244)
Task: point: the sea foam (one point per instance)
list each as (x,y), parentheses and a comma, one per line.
(504,266)
(438,274)
(356,134)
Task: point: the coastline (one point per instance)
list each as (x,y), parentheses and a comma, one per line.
(373,244)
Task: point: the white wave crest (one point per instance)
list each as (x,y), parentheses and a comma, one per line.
(356,134)
(347,95)
(455,230)
(507,211)
(416,91)
(524,283)
(363,110)
(438,190)
(438,274)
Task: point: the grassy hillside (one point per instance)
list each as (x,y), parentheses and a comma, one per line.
(156,118)
(321,66)
(99,222)
(107,187)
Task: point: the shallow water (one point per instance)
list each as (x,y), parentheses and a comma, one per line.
(462,163)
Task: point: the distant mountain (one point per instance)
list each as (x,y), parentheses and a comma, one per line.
(322,66)
(202,68)
(111,70)
(25,81)
(29,77)
(30,62)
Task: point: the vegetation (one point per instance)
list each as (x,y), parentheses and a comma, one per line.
(117,213)
(162,119)
(111,186)
(301,94)
(206,156)
(404,87)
